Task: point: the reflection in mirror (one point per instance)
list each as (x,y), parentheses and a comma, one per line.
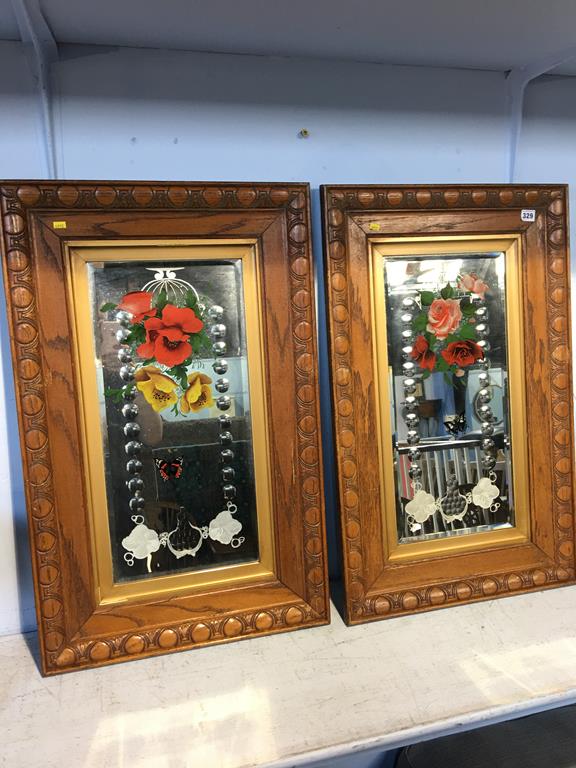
(447,356)
(171,353)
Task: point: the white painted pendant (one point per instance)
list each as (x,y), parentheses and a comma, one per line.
(224,527)
(169,539)
(484,494)
(453,505)
(140,543)
(166,279)
(422,506)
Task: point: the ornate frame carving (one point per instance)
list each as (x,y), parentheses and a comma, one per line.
(74,632)
(353,215)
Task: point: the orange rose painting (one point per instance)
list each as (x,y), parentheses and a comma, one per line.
(446,339)
(444,316)
(472,283)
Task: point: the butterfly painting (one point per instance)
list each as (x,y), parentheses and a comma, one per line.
(169,469)
(456,424)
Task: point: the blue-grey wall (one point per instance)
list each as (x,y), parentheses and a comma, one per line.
(145,114)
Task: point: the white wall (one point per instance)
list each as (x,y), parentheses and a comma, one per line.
(133,114)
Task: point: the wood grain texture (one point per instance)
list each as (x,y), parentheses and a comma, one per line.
(376,588)
(74,631)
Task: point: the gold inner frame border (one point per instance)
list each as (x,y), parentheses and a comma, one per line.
(510,245)
(78,255)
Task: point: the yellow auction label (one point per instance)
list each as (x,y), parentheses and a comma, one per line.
(58,225)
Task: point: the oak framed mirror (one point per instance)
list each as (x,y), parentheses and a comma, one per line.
(451,379)
(164,351)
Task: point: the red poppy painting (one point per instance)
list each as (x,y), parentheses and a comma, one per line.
(168,337)
(139,305)
(164,339)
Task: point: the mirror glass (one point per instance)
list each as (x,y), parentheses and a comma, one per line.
(173,380)
(448,378)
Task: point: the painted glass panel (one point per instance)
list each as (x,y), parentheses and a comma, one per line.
(450,405)
(173,380)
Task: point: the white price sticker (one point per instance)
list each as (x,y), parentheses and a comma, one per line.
(528,214)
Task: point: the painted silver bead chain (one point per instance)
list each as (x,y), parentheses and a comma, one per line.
(133,446)
(223,402)
(410,383)
(487,444)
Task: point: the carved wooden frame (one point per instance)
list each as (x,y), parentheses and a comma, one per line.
(74,631)
(353,215)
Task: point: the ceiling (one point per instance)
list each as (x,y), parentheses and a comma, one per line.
(487,34)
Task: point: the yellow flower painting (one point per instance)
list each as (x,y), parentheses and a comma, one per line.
(158,389)
(198,395)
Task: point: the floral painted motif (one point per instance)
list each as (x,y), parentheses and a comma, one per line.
(422,353)
(446,338)
(462,353)
(472,283)
(224,527)
(158,389)
(198,395)
(139,305)
(422,506)
(141,543)
(484,493)
(168,337)
(159,341)
(163,339)
(444,317)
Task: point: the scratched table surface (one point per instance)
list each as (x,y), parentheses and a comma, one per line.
(296,698)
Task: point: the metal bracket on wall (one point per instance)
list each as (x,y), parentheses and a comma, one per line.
(41,52)
(517,80)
